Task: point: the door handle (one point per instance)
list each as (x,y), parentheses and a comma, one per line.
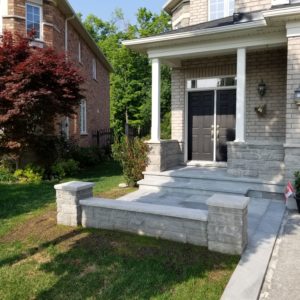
(218,132)
(212,132)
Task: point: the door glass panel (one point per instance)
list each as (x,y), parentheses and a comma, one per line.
(211,83)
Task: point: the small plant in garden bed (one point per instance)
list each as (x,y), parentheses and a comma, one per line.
(65,168)
(132,154)
(30,174)
(297,189)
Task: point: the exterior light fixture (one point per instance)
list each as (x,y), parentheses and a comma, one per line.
(297,97)
(262,88)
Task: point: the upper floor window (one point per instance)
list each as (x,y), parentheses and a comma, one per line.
(34,19)
(94,69)
(83,129)
(220,8)
(79,52)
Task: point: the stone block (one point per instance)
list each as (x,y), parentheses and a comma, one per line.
(226,248)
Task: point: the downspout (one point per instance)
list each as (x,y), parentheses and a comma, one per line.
(66,123)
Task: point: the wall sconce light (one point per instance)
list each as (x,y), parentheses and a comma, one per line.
(297,97)
(262,88)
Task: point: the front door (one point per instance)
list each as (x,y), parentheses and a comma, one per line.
(201,120)
(211,124)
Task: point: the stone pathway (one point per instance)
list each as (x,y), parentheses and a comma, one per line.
(283,273)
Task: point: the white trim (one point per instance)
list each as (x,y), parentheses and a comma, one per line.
(293,29)
(195,33)
(280,2)
(179,19)
(286,11)
(241,96)
(215,46)
(156,82)
(40,7)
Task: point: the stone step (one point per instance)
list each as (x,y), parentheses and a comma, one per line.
(191,187)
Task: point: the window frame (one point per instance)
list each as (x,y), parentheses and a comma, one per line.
(83,117)
(94,69)
(41,18)
(226,7)
(79,52)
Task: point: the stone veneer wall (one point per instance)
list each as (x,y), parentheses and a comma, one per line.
(222,228)
(249,5)
(164,155)
(265,161)
(292,147)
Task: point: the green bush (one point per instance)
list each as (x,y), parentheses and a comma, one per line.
(87,157)
(29,174)
(65,168)
(132,154)
(6,175)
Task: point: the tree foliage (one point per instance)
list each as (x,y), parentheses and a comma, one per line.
(37,86)
(131,81)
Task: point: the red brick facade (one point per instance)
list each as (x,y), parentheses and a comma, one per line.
(53,31)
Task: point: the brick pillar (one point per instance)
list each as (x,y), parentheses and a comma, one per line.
(227,223)
(292,146)
(68,196)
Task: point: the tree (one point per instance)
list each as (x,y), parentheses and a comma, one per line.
(131,81)
(37,86)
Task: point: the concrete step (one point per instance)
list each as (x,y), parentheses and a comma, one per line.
(191,187)
(207,184)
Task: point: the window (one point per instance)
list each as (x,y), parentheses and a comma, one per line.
(94,69)
(83,129)
(211,83)
(220,9)
(34,19)
(79,52)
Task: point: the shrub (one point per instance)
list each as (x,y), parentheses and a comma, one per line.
(29,174)
(132,154)
(87,157)
(6,175)
(65,168)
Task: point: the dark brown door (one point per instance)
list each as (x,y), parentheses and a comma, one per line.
(200,122)
(226,112)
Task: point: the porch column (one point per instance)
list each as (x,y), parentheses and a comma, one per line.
(155,128)
(241,95)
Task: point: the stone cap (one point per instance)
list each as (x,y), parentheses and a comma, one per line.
(74,186)
(153,209)
(228,201)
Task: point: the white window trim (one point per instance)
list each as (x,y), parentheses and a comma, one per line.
(79,52)
(94,69)
(40,7)
(83,118)
(226,10)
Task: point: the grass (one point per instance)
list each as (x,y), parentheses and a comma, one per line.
(40,260)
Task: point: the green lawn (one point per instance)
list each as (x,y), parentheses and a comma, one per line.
(40,260)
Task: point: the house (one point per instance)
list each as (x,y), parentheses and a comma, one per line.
(57,25)
(235,87)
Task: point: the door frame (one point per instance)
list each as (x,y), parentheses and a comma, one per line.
(186,113)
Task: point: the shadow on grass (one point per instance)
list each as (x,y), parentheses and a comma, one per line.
(112,265)
(17,199)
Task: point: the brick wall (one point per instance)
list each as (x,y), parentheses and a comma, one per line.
(248,6)
(199,11)
(181,16)
(292,150)
(268,65)
(96,91)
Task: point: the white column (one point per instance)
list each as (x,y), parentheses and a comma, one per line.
(241,95)
(155,128)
